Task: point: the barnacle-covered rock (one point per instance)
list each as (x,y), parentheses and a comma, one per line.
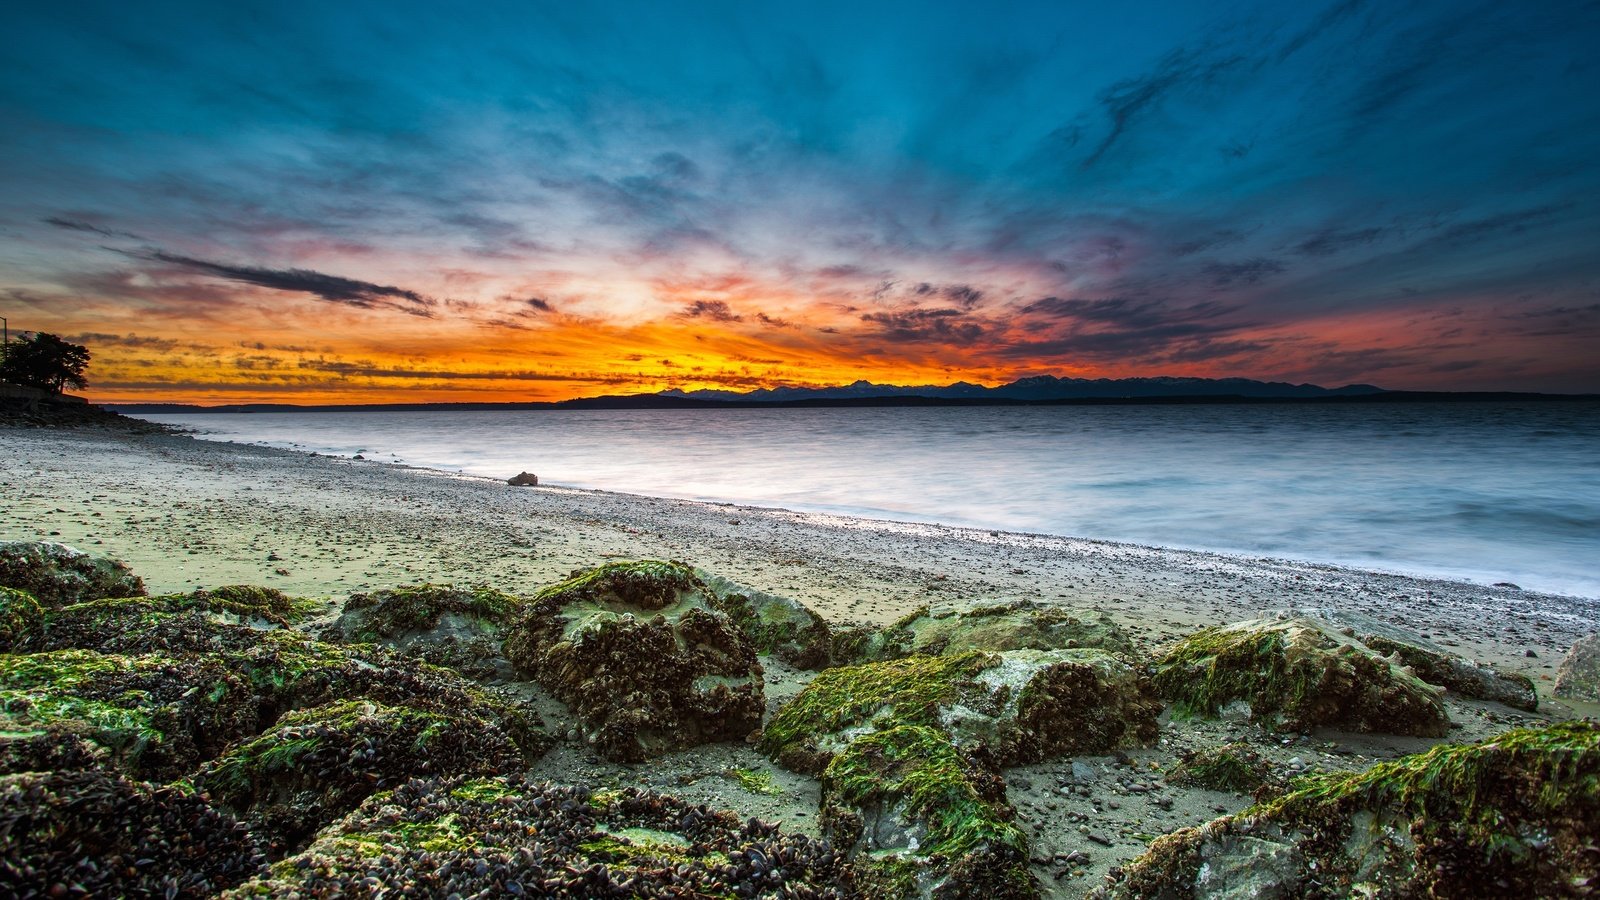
(160,716)
(950,629)
(58,747)
(1020,706)
(96,834)
(455,627)
(642,655)
(226,618)
(20,618)
(315,765)
(1297,674)
(1515,816)
(1431,662)
(157,716)
(1579,675)
(780,626)
(510,836)
(56,574)
(1231,767)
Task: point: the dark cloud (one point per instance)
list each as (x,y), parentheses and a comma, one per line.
(1124,327)
(716,310)
(1126,100)
(773,321)
(1215,239)
(1247,272)
(1513,222)
(333,288)
(86,227)
(538,303)
(93,338)
(1330,240)
(1331,17)
(916,325)
(1125,313)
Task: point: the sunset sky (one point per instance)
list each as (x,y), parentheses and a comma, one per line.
(397,201)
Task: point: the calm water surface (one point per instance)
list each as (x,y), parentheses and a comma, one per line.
(1487,492)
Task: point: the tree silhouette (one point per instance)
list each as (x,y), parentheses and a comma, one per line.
(45,362)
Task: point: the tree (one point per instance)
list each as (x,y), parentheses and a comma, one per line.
(45,362)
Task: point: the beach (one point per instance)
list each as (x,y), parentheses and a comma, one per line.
(185,514)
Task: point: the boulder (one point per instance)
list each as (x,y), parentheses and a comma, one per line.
(1016,625)
(775,625)
(314,766)
(1236,768)
(523,479)
(1579,675)
(160,716)
(1298,674)
(1432,662)
(909,752)
(56,574)
(643,656)
(20,618)
(460,628)
(1020,706)
(482,837)
(1514,816)
(226,618)
(95,834)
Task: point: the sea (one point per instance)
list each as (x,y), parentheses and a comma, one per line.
(1483,492)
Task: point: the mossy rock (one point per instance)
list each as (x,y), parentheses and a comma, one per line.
(1020,706)
(1298,674)
(1236,768)
(161,716)
(204,621)
(642,655)
(922,818)
(1515,816)
(156,716)
(460,628)
(56,574)
(100,835)
(996,627)
(57,747)
(775,625)
(503,836)
(1578,678)
(20,618)
(1431,662)
(316,765)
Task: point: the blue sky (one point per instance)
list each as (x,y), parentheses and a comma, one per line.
(1397,194)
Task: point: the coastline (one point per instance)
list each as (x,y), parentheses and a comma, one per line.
(191,512)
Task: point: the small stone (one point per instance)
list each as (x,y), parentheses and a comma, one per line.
(523,479)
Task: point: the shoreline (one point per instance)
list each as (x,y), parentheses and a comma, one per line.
(890,519)
(198,512)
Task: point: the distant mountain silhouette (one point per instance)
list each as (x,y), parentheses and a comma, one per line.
(1042,388)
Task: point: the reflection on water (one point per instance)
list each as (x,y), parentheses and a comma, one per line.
(1488,491)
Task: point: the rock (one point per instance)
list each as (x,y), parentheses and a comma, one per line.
(643,656)
(785,628)
(1016,625)
(1431,662)
(909,753)
(510,836)
(316,765)
(1515,816)
(110,837)
(160,716)
(458,628)
(523,479)
(56,574)
(1020,706)
(226,618)
(1236,768)
(1298,674)
(20,618)
(1578,678)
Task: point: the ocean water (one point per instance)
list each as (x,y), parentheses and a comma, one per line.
(1484,492)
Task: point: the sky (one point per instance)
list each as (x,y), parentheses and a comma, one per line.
(400,201)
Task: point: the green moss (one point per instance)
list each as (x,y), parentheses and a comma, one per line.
(907,691)
(917,766)
(44,688)
(20,617)
(420,607)
(754,781)
(646,584)
(482,790)
(1231,767)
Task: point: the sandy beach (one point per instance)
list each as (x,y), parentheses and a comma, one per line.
(186,513)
